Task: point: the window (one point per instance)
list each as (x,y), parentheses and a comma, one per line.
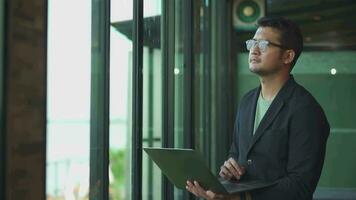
(152,96)
(92,63)
(120,99)
(68,108)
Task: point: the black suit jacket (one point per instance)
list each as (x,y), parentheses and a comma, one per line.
(287,147)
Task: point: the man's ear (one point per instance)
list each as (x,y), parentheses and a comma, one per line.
(288,56)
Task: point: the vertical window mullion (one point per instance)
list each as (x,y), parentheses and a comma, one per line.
(189,86)
(137,99)
(2,105)
(168,36)
(99,112)
(189,74)
(207,80)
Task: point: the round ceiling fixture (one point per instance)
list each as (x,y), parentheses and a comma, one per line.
(246,13)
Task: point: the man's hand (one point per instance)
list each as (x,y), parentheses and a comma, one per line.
(231,169)
(198,191)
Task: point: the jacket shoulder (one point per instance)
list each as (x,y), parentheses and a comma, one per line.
(302,97)
(249,96)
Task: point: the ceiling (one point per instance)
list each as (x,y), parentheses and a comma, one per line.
(326,24)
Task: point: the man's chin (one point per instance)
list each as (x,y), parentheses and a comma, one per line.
(256,71)
(260,72)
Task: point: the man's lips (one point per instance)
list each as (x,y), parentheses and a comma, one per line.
(254,60)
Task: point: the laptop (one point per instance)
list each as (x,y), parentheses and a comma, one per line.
(180,165)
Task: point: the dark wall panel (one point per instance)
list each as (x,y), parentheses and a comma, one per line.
(25,111)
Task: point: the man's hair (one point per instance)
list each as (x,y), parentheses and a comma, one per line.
(290,34)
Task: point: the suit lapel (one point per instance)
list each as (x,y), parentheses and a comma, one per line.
(251,115)
(272,111)
(267,119)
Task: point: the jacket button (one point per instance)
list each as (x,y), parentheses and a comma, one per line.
(249,162)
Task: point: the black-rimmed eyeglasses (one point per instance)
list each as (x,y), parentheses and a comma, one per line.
(261,44)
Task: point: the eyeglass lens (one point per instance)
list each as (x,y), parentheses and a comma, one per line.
(262,44)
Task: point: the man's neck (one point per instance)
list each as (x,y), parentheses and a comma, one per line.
(270,85)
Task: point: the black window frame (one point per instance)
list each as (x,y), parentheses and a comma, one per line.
(100,100)
(100,89)
(137,87)
(3,12)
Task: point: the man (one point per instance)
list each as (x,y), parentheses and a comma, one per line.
(280,130)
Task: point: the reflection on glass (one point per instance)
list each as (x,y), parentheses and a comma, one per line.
(152,97)
(120,100)
(179,77)
(335,91)
(179,92)
(68,107)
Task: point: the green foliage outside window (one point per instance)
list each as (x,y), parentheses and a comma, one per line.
(117,165)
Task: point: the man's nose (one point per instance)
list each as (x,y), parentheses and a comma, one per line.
(255,50)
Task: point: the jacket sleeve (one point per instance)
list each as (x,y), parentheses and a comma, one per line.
(308,133)
(234,150)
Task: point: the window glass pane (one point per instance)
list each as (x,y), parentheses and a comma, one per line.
(152,97)
(202,84)
(120,99)
(182,72)
(68,99)
(179,73)
(330,76)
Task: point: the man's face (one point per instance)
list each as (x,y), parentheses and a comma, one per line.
(270,61)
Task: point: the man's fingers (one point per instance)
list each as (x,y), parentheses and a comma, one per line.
(225,172)
(211,195)
(243,170)
(231,169)
(236,166)
(198,191)
(201,192)
(222,174)
(195,188)
(190,187)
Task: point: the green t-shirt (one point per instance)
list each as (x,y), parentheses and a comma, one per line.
(261,109)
